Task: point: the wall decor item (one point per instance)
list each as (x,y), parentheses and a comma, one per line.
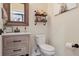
(60,8)
(40,17)
(8,29)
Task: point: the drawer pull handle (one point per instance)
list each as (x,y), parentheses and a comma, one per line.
(17,41)
(17,50)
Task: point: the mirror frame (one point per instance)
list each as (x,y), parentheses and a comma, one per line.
(6,6)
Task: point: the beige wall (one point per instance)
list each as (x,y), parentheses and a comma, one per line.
(64,28)
(72,29)
(56,31)
(39,28)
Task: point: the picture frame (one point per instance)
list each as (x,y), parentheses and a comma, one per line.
(8,30)
(60,8)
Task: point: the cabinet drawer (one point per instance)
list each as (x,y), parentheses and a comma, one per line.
(15,44)
(16,51)
(14,41)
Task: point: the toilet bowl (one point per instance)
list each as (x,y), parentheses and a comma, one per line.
(45,49)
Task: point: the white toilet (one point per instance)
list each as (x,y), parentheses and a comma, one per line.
(46,50)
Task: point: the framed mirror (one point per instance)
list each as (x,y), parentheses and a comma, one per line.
(18,14)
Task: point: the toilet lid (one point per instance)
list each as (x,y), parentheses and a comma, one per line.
(47,47)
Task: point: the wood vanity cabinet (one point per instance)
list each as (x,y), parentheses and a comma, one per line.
(16,45)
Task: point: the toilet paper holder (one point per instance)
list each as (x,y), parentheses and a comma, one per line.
(75,46)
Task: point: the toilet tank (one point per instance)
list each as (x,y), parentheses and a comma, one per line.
(40,39)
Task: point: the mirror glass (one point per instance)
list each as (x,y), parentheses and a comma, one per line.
(17,12)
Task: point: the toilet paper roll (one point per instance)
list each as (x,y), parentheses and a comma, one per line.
(69,45)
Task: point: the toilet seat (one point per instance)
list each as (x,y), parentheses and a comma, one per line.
(47,48)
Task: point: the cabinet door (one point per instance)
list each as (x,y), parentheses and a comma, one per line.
(16,45)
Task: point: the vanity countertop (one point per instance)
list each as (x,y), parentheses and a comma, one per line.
(21,33)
